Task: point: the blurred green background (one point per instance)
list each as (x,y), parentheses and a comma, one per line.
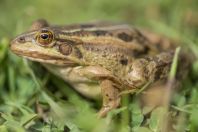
(31,101)
(18,15)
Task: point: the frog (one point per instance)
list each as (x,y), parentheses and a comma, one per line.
(98,58)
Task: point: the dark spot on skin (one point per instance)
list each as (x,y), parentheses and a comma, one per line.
(100,33)
(138,32)
(125,37)
(158,73)
(78,53)
(107,95)
(104,55)
(146,50)
(137,53)
(65,49)
(140,37)
(110,99)
(124,61)
(148,58)
(156,60)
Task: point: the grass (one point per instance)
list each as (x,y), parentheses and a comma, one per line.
(31,99)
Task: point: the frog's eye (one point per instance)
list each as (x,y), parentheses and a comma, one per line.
(45,38)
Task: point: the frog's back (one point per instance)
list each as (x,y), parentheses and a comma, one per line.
(109,45)
(111,37)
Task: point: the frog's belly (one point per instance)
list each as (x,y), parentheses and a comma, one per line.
(83,85)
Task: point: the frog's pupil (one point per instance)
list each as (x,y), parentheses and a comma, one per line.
(44,36)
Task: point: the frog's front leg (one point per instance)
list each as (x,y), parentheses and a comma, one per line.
(95,73)
(111,97)
(109,90)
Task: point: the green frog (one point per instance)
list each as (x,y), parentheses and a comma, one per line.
(98,58)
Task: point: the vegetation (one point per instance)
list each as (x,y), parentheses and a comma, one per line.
(31,99)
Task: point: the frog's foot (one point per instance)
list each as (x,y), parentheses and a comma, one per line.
(111,98)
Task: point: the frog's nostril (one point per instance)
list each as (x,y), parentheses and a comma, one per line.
(16,41)
(21,40)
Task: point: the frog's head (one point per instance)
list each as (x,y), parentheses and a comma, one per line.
(46,45)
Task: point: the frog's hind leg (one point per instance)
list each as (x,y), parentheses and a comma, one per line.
(149,69)
(111,97)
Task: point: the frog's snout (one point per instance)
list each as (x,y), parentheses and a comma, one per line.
(17,41)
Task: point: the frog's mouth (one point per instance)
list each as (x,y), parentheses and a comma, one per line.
(40,54)
(38,57)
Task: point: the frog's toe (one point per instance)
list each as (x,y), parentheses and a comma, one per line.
(110,106)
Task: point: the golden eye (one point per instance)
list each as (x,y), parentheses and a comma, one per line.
(45,38)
